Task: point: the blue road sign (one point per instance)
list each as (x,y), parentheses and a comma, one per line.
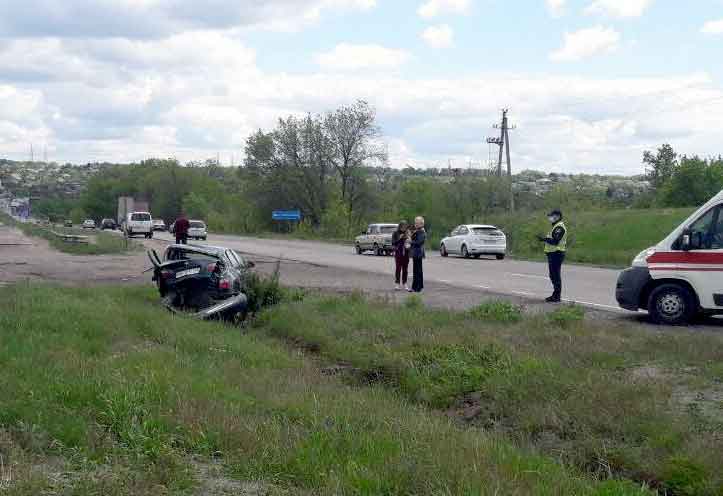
(286,215)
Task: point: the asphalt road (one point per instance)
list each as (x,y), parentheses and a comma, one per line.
(588,286)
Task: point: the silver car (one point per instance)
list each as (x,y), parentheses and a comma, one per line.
(377,237)
(474,240)
(197,230)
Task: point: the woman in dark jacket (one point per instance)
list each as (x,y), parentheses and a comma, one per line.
(401,244)
(418,238)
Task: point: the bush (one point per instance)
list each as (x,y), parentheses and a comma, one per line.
(566,315)
(263,291)
(498,311)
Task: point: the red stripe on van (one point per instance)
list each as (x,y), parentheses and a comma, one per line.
(688,269)
(687,257)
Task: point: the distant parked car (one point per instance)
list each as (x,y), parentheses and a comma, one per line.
(474,240)
(68,223)
(377,237)
(159,225)
(138,223)
(197,230)
(107,224)
(88,224)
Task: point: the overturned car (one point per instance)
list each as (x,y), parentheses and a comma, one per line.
(206,281)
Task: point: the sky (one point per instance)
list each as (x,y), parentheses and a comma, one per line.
(590,84)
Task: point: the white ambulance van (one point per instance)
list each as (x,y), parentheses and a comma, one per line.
(681,276)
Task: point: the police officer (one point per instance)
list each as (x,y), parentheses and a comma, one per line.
(555,248)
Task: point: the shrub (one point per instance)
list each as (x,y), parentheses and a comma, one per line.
(499,311)
(566,315)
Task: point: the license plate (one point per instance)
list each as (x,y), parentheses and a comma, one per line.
(188,272)
(490,241)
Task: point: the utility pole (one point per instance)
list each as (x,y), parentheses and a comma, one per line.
(504,143)
(32,153)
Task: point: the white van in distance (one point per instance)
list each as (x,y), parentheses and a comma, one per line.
(682,276)
(138,223)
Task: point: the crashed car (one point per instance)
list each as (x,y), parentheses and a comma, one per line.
(206,281)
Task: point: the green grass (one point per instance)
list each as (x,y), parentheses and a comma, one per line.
(103,392)
(598,237)
(605,398)
(101,243)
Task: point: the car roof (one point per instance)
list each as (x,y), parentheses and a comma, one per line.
(193,220)
(384,225)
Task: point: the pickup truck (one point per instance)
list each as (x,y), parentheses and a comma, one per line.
(378,238)
(138,223)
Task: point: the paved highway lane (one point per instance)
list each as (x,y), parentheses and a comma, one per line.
(585,285)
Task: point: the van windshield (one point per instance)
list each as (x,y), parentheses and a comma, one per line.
(141,217)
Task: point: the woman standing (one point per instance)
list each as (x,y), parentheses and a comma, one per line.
(401,244)
(418,238)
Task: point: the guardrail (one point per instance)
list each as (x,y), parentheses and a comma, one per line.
(72,238)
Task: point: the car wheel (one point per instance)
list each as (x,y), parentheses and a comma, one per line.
(671,304)
(464,251)
(477,256)
(500,257)
(357,249)
(377,250)
(443,250)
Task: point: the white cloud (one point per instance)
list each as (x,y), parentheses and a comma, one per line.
(346,56)
(441,36)
(586,43)
(713,27)
(619,8)
(434,8)
(556,7)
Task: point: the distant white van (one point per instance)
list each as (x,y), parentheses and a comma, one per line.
(682,275)
(138,223)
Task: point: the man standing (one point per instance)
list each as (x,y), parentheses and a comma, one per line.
(417,245)
(555,248)
(180,228)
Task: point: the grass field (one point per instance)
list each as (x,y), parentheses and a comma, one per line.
(101,243)
(598,237)
(132,400)
(603,398)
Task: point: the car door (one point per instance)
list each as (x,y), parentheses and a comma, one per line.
(462,238)
(702,265)
(453,240)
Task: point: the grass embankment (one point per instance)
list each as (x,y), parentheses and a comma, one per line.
(101,243)
(598,237)
(604,398)
(105,393)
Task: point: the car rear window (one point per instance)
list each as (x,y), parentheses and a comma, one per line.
(197,225)
(387,229)
(141,217)
(489,231)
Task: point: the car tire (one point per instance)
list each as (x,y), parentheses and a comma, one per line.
(377,250)
(476,257)
(671,304)
(443,250)
(358,249)
(464,251)
(500,257)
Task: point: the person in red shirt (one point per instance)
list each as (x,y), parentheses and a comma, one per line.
(180,228)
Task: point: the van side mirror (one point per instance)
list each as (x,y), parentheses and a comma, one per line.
(686,240)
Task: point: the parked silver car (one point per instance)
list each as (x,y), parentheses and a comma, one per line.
(377,237)
(474,240)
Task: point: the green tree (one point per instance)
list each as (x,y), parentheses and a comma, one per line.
(659,168)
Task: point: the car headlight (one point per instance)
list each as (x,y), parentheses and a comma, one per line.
(643,256)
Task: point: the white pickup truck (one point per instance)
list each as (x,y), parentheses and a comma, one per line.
(377,237)
(137,223)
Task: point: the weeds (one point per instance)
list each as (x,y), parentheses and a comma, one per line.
(498,311)
(566,315)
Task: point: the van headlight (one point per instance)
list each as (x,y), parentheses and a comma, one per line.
(641,259)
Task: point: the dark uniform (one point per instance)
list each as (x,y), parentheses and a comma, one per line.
(555,249)
(181,230)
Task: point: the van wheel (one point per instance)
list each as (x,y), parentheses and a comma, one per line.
(465,252)
(671,304)
(443,250)
(500,257)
